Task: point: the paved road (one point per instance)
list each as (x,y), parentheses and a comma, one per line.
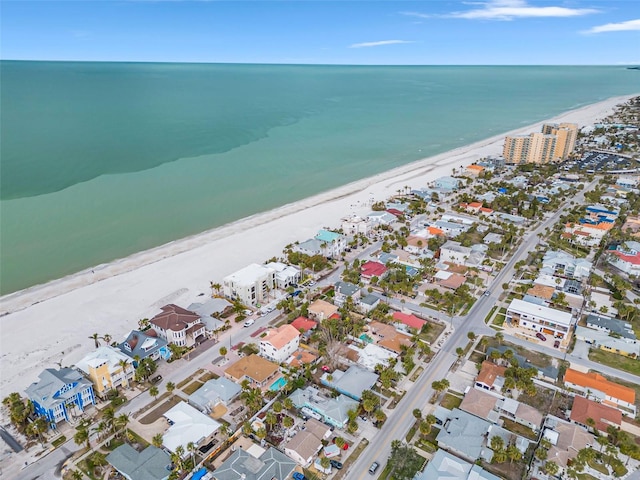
(398,425)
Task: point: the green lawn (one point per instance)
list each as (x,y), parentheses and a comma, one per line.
(493,309)
(616,361)
(586,476)
(498,320)
(519,429)
(192,387)
(450,401)
(599,467)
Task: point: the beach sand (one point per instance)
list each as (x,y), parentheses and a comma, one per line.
(51,323)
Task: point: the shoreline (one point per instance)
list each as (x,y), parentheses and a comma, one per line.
(111,297)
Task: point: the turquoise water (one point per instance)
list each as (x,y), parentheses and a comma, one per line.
(366,338)
(278,384)
(101,160)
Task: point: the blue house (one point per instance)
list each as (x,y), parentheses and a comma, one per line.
(448,184)
(140,345)
(58,392)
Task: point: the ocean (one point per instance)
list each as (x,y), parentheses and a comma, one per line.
(102,160)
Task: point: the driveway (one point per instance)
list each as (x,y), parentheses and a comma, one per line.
(581,349)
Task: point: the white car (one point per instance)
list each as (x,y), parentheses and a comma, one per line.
(249,322)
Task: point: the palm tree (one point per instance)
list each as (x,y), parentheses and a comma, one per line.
(77,475)
(124,364)
(591,423)
(223,351)
(96,338)
(288,422)
(171,387)
(157,440)
(551,468)
(496,443)
(261,433)
(82,434)
(417,413)
(277,407)
(499,337)
(121,422)
(191,448)
(153,391)
(271,419)
(107,338)
(513,454)
(287,403)
(471,336)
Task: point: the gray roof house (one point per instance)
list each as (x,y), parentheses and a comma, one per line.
(444,466)
(331,410)
(344,290)
(150,464)
(310,247)
(611,325)
(214,392)
(213,306)
(352,382)
(142,345)
(465,435)
(241,465)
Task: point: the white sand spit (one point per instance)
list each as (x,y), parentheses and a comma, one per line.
(51,323)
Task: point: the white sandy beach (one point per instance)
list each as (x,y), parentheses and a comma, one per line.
(51,323)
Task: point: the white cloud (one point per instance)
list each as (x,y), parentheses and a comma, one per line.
(616,27)
(509,10)
(379,43)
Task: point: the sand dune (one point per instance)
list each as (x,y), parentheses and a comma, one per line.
(51,323)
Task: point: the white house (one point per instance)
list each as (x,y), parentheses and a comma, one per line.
(596,387)
(286,275)
(280,343)
(250,285)
(561,263)
(179,326)
(188,425)
(355,225)
(627,258)
(454,252)
(539,318)
(344,290)
(334,243)
(381,218)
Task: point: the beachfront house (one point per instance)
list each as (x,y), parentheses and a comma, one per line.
(447,184)
(179,326)
(250,285)
(142,345)
(286,275)
(378,218)
(60,395)
(334,243)
(279,343)
(355,225)
(107,368)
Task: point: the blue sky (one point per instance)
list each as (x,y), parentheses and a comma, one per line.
(435,32)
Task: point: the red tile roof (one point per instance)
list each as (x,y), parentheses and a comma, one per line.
(174,318)
(596,381)
(303,323)
(372,269)
(604,416)
(633,259)
(409,320)
(489,372)
(395,212)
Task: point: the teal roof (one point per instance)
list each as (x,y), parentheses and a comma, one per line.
(328,236)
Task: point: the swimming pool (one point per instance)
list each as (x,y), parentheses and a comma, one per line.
(278,384)
(366,338)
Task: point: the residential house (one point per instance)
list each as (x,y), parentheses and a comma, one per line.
(370,356)
(60,394)
(539,318)
(259,371)
(454,252)
(107,368)
(450,229)
(370,269)
(388,337)
(286,275)
(334,411)
(491,377)
(178,326)
(612,326)
(627,258)
(210,313)
(219,391)
(474,170)
(311,247)
(444,466)
(548,373)
(303,324)
(632,225)
(344,290)
(481,403)
(507,217)
(520,413)
(152,463)
(279,343)
(557,262)
(447,184)
(356,225)
(305,444)
(352,382)
(368,303)
(188,425)
(334,243)
(596,387)
(271,464)
(566,440)
(409,320)
(250,285)
(381,218)
(586,235)
(417,245)
(143,345)
(603,416)
(320,310)
(608,342)
(628,182)
(449,280)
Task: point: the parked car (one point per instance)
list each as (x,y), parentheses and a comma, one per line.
(249,322)
(298,476)
(374,466)
(556,344)
(156,379)
(248,312)
(325,368)
(541,337)
(336,464)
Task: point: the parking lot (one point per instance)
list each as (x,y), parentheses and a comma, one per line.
(598,162)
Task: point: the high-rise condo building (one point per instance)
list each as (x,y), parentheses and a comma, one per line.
(555,142)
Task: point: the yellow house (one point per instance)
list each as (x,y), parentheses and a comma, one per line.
(107,368)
